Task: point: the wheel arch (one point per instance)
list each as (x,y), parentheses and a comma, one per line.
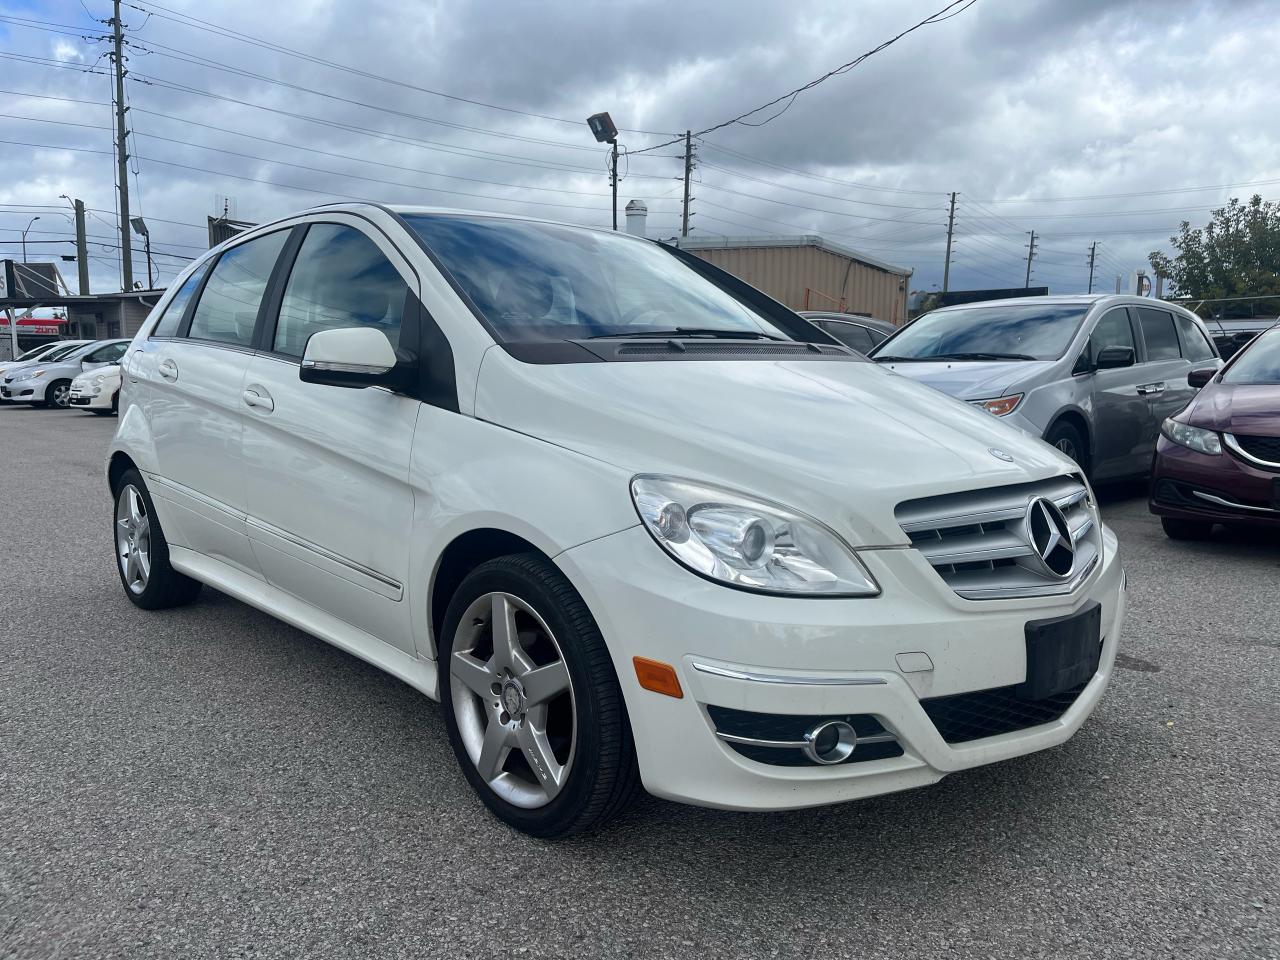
(1080,422)
(462,555)
(117,465)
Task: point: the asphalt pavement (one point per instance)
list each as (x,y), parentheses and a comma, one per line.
(208,782)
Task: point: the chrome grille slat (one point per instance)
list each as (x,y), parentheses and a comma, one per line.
(977,543)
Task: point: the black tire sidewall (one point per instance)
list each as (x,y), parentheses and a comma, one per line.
(575,635)
(1063,430)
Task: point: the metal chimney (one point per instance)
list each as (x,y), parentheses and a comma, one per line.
(637,214)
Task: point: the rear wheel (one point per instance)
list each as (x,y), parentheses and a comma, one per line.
(1067,439)
(142,553)
(531,702)
(1176,528)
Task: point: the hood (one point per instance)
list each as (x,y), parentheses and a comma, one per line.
(1243,408)
(970,379)
(843,441)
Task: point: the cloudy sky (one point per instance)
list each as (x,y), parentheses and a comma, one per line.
(1085,120)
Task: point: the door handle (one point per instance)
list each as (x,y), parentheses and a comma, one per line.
(259,401)
(168,369)
(1146,389)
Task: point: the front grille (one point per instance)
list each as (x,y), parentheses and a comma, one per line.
(790,728)
(978,542)
(722,351)
(1264,448)
(962,717)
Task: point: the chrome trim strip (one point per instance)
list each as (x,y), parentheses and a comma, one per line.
(797,744)
(1234,506)
(753,677)
(333,366)
(321,551)
(1048,590)
(1230,440)
(195,495)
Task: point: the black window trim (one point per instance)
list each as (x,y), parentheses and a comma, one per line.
(1086,352)
(184,321)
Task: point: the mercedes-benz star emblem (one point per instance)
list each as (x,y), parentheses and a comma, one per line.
(1050,537)
(999,454)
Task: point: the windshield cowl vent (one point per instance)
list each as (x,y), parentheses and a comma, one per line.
(718,349)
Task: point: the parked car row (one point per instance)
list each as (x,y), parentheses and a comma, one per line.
(66,373)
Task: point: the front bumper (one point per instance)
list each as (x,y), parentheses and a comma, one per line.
(1189,485)
(819,658)
(23,391)
(86,399)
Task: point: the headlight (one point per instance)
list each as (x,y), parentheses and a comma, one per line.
(748,543)
(30,376)
(1000,405)
(99,380)
(1196,438)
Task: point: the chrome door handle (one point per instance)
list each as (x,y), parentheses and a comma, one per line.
(1146,389)
(168,369)
(253,398)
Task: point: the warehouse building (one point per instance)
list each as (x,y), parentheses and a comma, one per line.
(810,273)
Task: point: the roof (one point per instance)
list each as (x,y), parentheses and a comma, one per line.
(75,300)
(801,240)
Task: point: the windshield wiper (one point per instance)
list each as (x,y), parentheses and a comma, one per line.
(888,358)
(716,332)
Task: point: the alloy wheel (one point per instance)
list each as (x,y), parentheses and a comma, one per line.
(513,700)
(1069,448)
(60,395)
(133,538)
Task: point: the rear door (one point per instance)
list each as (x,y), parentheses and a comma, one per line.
(1164,373)
(1120,413)
(194,380)
(329,501)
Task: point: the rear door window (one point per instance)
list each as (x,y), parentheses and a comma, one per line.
(172,316)
(851,335)
(1194,345)
(1159,333)
(228,306)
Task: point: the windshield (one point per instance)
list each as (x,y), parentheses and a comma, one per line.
(1259,363)
(34,354)
(540,281)
(62,352)
(988,332)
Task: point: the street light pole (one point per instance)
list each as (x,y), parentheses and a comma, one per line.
(24,239)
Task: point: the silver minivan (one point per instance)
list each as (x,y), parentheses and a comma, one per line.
(1094,376)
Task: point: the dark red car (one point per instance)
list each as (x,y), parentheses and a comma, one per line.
(1218,460)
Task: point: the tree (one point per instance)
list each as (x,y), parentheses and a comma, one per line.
(1237,254)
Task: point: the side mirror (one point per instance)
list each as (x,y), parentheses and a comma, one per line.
(1110,358)
(1201,377)
(350,357)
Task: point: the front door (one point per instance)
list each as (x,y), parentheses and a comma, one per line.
(1121,413)
(327,468)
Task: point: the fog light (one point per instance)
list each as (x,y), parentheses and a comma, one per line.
(832,741)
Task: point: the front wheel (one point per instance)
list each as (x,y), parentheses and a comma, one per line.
(58,394)
(1067,440)
(531,702)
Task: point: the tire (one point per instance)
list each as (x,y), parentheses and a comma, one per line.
(1067,439)
(58,394)
(142,553)
(578,738)
(1175,528)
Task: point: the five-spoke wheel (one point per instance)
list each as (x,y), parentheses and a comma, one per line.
(133,539)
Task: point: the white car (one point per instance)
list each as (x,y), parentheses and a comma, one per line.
(47,383)
(97,390)
(627,518)
(49,351)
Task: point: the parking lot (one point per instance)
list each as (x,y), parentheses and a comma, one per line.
(211,782)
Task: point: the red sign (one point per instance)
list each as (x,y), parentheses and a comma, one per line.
(36,326)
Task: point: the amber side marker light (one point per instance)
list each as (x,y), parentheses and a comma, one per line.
(658,676)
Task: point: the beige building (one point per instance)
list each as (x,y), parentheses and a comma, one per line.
(810,273)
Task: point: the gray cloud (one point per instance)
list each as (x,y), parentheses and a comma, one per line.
(1009,103)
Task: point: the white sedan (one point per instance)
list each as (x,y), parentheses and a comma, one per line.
(97,390)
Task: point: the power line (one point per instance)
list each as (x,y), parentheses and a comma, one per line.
(208,26)
(790,97)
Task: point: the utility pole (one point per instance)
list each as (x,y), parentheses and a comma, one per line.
(951,229)
(613,179)
(688,171)
(1093,254)
(122,153)
(82,249)
(1031,252)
